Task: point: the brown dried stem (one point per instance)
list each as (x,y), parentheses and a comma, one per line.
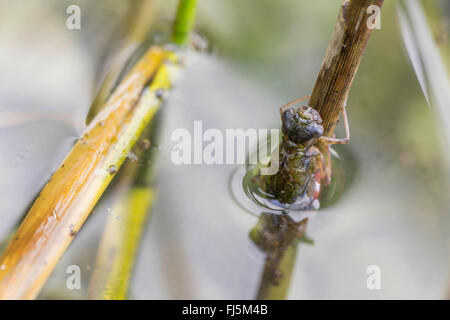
(339,67)
(342,59)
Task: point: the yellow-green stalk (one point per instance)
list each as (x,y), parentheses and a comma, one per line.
(120,241)
(184,22)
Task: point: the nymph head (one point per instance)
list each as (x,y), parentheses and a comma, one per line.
(302,125)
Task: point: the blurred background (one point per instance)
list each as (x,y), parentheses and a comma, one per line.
(394,212)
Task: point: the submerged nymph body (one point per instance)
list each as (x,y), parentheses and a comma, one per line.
(302,167)
(297,182)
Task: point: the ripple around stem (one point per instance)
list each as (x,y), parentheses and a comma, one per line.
(249,195)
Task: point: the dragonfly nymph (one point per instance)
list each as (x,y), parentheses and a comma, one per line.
(302,165)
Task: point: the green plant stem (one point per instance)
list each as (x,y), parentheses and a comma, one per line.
(278,237)
(184,21)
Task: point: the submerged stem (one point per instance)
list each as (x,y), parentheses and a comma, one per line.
(277,236)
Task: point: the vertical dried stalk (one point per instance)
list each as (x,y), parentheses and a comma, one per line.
(339,67)
(342,60)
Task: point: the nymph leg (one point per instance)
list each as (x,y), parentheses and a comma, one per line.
(287,105)
(330,140)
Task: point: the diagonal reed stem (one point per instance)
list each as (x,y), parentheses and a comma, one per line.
(68,198)
(120,241)
(76,186)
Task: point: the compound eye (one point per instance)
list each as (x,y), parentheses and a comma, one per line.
(315,130)
(288,119)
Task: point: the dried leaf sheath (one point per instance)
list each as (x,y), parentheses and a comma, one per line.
(69,196)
